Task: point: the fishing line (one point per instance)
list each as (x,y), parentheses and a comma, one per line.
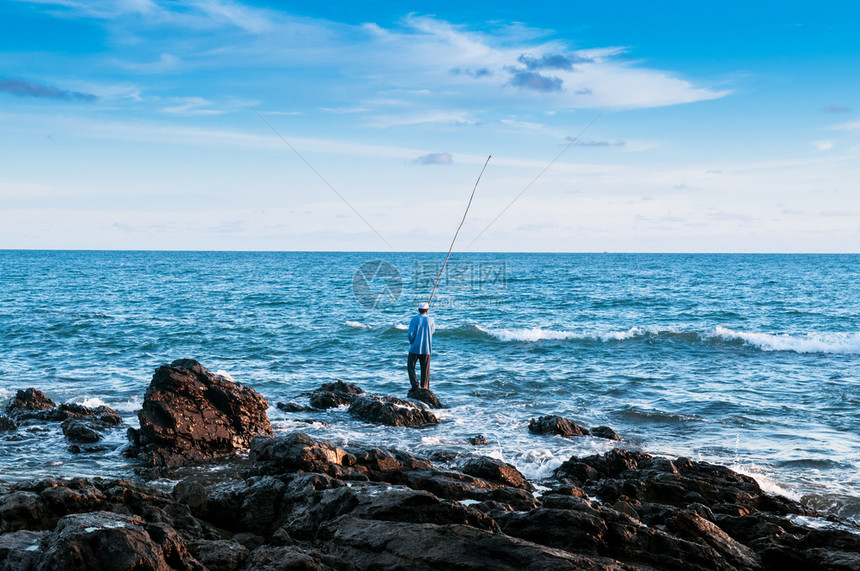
(458,229)
(535,179)
(316,172)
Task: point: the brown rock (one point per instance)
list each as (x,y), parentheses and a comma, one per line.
(189,414)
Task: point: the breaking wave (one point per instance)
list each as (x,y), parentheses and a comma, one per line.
(837,343)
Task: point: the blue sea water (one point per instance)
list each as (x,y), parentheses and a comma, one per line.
(745,360)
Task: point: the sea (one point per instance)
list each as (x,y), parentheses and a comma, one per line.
(750,361)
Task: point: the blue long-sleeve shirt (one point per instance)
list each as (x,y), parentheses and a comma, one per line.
(421,330)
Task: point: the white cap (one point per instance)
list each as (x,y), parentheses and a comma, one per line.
(424,305)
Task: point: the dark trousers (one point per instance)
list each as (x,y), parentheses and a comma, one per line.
(425,370)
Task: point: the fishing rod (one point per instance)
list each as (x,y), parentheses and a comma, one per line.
(322,178)
(535,179)
(458,229)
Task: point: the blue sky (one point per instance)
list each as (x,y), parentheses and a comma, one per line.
(142,124)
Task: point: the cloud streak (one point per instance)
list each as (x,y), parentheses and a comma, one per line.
(435,159)
(31,89)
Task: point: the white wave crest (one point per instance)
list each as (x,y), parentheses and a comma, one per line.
(89,402)
(226,375)
(403,327)
(358,325)
(539,334)
(841,343)
(131,405)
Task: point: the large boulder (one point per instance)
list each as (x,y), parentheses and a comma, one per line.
(190,414)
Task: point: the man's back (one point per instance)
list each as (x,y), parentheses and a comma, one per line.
(421,330)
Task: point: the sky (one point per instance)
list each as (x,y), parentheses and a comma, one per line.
(615,126)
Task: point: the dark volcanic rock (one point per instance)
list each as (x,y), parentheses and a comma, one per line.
(104,540)
(391,411)
(291,407)
(81,431)
(189,414)
(334,394)
(605,432)
(424,395)
(556,425)
(478,440)
(494,470)
(104,416)
(28,400)
(7,424)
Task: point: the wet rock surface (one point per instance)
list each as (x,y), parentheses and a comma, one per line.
(305,503)
(190,414)
(334,394)
(300,502)
(29,400)
(426,396)
(80,424)
(391,411)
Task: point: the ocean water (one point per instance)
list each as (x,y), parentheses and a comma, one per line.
(752,361)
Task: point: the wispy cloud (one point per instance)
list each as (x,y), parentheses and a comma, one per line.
(192,106)
(823,145)
(594,143)
(32,89)
(836,109)
(553,61)
(435,159)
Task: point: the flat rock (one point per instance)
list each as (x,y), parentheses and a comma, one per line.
(190,414)
(391,411)
(556,425)
(291,407)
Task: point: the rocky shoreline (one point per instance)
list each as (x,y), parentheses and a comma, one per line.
(298,502)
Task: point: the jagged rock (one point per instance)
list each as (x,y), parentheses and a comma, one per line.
(478,440)
(495,470)
(7,424)
(189,414)
(291,407)
(334,394)
(424,395)
(605,432)
(29,400)
(391,411)
(556,425)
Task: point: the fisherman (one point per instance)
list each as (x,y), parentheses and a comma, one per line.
(421,330)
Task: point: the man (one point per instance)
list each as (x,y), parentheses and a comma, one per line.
(421,330)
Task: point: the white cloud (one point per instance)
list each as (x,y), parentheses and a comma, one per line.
(823,145)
